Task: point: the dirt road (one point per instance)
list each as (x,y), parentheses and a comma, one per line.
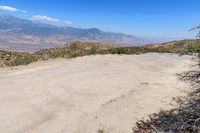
(85,94)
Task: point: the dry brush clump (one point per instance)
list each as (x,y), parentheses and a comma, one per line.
(16,58)
(184,119)
(74,49)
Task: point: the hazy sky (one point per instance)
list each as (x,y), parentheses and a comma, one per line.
(146,18)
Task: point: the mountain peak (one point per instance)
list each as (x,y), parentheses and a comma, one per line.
(94,29)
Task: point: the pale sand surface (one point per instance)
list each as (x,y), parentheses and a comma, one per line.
(84,94)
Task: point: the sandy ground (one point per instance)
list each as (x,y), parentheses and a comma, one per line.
(85,94)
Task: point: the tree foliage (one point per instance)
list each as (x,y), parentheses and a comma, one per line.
(196,28)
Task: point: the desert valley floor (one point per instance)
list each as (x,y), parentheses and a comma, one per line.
(84,94)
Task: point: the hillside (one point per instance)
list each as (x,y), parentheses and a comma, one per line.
(69,50)
(81,48)
(174,46)
(74,49)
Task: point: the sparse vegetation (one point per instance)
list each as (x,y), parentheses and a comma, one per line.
(184,119)
(70,50)
(16,58)
(74,49)
(78,48)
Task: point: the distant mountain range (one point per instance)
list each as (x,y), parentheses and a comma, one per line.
(26,35)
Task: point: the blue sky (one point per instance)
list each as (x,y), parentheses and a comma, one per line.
(145,18)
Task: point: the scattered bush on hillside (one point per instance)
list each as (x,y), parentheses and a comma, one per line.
(16,58)
(78,48)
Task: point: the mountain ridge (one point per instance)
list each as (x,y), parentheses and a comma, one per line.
(21,34)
